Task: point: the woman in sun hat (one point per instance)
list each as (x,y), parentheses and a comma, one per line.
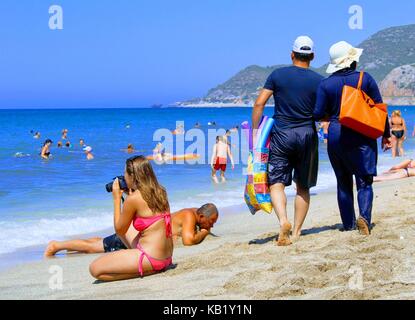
(351,153)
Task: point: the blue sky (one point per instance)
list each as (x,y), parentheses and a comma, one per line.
(136,53)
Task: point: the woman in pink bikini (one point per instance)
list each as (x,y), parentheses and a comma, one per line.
(147,210)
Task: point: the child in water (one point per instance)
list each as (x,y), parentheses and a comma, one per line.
(220,154)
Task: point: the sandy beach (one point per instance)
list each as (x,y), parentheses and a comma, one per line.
(243,262)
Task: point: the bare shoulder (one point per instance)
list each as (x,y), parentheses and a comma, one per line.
(185,216)
(135,199)
(186,213)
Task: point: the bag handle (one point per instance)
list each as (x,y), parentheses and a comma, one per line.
(359,86)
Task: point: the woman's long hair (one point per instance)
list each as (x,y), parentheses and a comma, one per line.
(144,180)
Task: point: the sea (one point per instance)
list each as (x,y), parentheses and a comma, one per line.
(56,199)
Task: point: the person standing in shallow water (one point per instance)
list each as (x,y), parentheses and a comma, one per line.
(294,140)
(351,153)
(221,152)
(45,152)
(399,131)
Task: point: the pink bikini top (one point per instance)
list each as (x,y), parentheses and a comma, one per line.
(142,223)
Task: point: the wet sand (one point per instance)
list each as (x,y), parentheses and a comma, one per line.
(243,262)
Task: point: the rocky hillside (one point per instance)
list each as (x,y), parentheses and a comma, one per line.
(240,87)
(388,49)
(384,52)
(398,88)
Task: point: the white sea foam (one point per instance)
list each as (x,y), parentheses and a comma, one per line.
(16,235)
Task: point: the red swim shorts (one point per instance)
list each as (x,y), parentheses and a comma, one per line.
(220,164)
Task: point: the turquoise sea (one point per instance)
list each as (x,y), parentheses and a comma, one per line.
(65,196)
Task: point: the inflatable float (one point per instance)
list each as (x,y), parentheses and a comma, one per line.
(257,195)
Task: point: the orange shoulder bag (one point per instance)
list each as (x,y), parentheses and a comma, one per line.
(360,113)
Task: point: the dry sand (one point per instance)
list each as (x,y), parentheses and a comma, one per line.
(243,262)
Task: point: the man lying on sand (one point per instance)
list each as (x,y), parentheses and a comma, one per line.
(191,224)
(403,170)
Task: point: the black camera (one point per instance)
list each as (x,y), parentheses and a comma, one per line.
(121,181)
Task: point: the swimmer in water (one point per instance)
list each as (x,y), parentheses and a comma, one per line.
(88,152)
(37,135)
(179,130)
(158,151)
(45,153)
(159,154)
(59,144)
(64,134)
(226,138)
(67,144)
(82,142)
(130,149)
(234,129)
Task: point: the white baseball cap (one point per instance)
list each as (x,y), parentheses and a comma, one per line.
(87,149)
(303,44)
(342,55)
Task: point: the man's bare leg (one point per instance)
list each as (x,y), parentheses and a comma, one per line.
(214,177)
(302,204)
(222,176)
(93,245)
(279,202)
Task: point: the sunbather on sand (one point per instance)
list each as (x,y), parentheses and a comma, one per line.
(405,169)
(192,225)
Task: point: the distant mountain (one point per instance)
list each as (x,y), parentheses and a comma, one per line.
(384,51)
(240,88)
